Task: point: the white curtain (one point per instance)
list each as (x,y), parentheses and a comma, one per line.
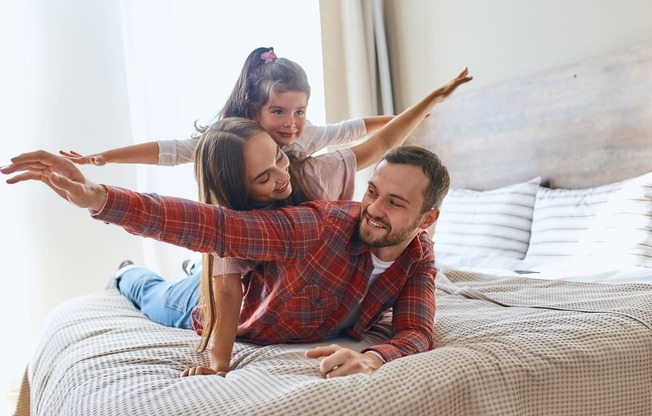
(385,97)
(358,78)
(154,64)
(90,75)
(66,78)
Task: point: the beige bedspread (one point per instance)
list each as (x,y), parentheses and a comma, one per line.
(504,346)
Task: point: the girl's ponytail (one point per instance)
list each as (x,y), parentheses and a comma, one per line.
(238,103)
(263,75)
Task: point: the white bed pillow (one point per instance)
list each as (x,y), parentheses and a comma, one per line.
(572,223)
(476,225)
(621,233)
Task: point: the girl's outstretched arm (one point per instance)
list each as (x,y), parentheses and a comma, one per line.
(145,153)
(374,123)
(395,132)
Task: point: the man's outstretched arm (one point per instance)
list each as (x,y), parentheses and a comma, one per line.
(256,235)
(59,174)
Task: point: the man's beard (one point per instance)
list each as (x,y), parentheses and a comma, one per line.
(390,238)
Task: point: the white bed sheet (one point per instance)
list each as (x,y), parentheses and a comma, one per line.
(504,344)
(572,271)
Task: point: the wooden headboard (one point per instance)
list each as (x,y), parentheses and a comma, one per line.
(579,126)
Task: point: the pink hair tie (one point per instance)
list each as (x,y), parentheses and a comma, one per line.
(268,56)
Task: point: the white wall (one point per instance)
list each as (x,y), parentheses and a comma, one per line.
(502,40)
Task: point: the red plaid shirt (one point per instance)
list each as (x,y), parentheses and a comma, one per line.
(314,267)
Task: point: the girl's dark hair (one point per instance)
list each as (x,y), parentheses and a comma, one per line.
(221,175)
(263,75)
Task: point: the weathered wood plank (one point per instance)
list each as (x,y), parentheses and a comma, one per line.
(578,126)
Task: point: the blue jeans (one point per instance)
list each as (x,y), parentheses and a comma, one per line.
(166,303)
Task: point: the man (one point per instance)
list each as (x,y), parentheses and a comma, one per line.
(329,267)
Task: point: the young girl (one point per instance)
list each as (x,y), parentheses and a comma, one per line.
(256,174)
(271,91)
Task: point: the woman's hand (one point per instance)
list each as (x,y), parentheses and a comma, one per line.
(97,160)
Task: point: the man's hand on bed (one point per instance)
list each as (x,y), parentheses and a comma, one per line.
(341,361)
(202,371)
(59,174)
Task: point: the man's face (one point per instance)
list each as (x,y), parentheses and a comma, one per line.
(392,209)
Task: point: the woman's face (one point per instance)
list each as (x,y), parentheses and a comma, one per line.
(284,116)
(266,167)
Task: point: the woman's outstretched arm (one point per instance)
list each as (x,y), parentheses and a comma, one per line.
(228,301)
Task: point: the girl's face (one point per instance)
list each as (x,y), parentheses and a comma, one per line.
(266,167)
(284,116)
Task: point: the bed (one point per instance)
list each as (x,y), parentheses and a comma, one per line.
(544,295)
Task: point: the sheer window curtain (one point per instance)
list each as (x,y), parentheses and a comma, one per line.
(90,75)
(356,62)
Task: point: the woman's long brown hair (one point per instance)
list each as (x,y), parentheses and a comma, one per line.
(221,175)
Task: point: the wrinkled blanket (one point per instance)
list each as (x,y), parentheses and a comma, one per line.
(503,346)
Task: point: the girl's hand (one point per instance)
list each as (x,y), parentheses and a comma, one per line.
(97,160)
(202,371)
(452,85)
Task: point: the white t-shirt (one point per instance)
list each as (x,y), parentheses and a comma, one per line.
(314,138)
(379,268)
